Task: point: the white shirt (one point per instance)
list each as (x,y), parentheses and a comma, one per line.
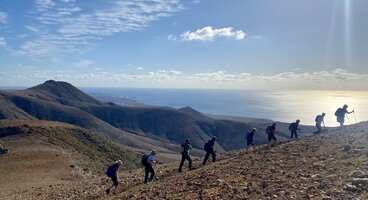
(150,159)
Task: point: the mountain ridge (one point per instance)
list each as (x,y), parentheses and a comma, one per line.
(142,128)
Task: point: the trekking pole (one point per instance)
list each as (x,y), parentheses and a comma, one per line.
(347,116)
(355,117)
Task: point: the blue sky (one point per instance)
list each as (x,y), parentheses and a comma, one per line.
(238,44)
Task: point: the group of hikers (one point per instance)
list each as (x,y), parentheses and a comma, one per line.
(148,159)
(294,126)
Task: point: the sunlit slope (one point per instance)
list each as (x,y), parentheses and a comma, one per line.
(43,153)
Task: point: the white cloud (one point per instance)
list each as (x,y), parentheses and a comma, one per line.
(64,27)
(2,42)
(3,18)
(140,68)
(208,34)
(83,63)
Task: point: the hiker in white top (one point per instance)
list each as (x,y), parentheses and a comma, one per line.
(148,169)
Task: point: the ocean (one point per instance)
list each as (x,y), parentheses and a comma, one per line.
(284,106)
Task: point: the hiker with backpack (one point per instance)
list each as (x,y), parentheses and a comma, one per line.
(112,172)
(294,128)
(271,130)
(340,114)
(147,161)
(249,138)
(208,147)
(319,120)
(185,154)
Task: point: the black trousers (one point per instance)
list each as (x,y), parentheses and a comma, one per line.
(183,158)
(319,128)
(208,153)
(148,170)
(294,133)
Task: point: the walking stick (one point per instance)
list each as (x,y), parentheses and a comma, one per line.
(347,116)
(355,117)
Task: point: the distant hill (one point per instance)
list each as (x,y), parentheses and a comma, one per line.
(140,128)
(43,153)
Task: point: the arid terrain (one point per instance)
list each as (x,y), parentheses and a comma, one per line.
(331,165)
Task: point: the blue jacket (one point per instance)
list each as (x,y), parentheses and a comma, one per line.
(111,171)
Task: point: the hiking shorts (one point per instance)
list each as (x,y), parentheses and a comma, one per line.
(114,180)
(341,120)
(271,137)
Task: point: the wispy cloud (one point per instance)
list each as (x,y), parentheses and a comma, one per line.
(83,63)
(2,42)
(3,18)
(335,79)
(64,26)
(209,34)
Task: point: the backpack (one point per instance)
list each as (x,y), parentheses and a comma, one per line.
(183,148)
(318,119)
(291,126)
(144,160)
(269,130)
(206,146)
(109,172)
(339,112)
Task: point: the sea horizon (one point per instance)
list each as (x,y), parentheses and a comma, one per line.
(281,105)
(278,105)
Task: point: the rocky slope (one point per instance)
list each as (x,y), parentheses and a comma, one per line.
(332,165)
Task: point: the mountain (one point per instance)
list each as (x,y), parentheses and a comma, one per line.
(140,128)
(331,165)
(43,153)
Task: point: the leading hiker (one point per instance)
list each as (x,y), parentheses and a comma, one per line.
(208,147)
(340,114)
(185,154)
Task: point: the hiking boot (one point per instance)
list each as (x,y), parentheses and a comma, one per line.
(180,170)
(107,191)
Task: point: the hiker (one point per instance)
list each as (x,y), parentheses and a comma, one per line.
(294,128)
(271,130)
(340,114)
(208,147)
(319,120)
(112,172)
(250,136)
(148,169)
(185,154)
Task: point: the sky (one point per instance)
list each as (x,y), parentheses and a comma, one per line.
(231,44)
